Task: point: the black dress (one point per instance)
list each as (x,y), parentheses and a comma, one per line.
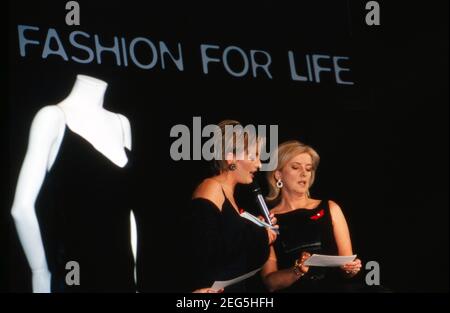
(308,230)
(222,245)
(84,209)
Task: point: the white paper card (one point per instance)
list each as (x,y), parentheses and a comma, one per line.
(328,260)
(223,284)
(257,221)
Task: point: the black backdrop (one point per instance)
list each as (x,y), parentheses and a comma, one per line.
(383,141)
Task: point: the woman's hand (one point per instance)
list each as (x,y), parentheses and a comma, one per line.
(207,290)
(352,268)
(273,219)
(272,235)
(303,257)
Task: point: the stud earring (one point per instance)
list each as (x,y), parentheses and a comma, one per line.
(232,167)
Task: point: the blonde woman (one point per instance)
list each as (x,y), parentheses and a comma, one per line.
(224,245)
(307,226)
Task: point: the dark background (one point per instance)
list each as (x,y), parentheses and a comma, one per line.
(383,142)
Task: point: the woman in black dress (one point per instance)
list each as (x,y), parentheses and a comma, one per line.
(222,244)
(307,226)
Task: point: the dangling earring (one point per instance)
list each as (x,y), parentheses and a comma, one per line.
(232,167)
(279,183)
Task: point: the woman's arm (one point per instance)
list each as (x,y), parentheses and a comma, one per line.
(44,132)
(340,230)
(342,238)
(275,279)
(203,246)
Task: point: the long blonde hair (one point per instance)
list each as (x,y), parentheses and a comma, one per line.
(286,151)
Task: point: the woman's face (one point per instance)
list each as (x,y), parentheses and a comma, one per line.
(296,174)
(247,167)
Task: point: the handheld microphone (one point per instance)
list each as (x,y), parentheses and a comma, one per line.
(261,203)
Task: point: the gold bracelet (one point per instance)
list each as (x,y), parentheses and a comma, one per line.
(297,269)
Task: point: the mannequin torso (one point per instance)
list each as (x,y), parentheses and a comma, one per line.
(81,113)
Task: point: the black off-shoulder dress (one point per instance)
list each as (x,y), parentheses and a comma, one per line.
(222,245)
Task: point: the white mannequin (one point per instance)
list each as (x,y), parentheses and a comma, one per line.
(109,133)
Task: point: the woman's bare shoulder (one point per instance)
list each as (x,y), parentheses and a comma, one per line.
(211,190)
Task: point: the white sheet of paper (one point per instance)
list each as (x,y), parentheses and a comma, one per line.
(225,283)
(257,221)
(328,260)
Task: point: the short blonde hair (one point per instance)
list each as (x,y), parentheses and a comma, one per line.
(286,151)
(232,143)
